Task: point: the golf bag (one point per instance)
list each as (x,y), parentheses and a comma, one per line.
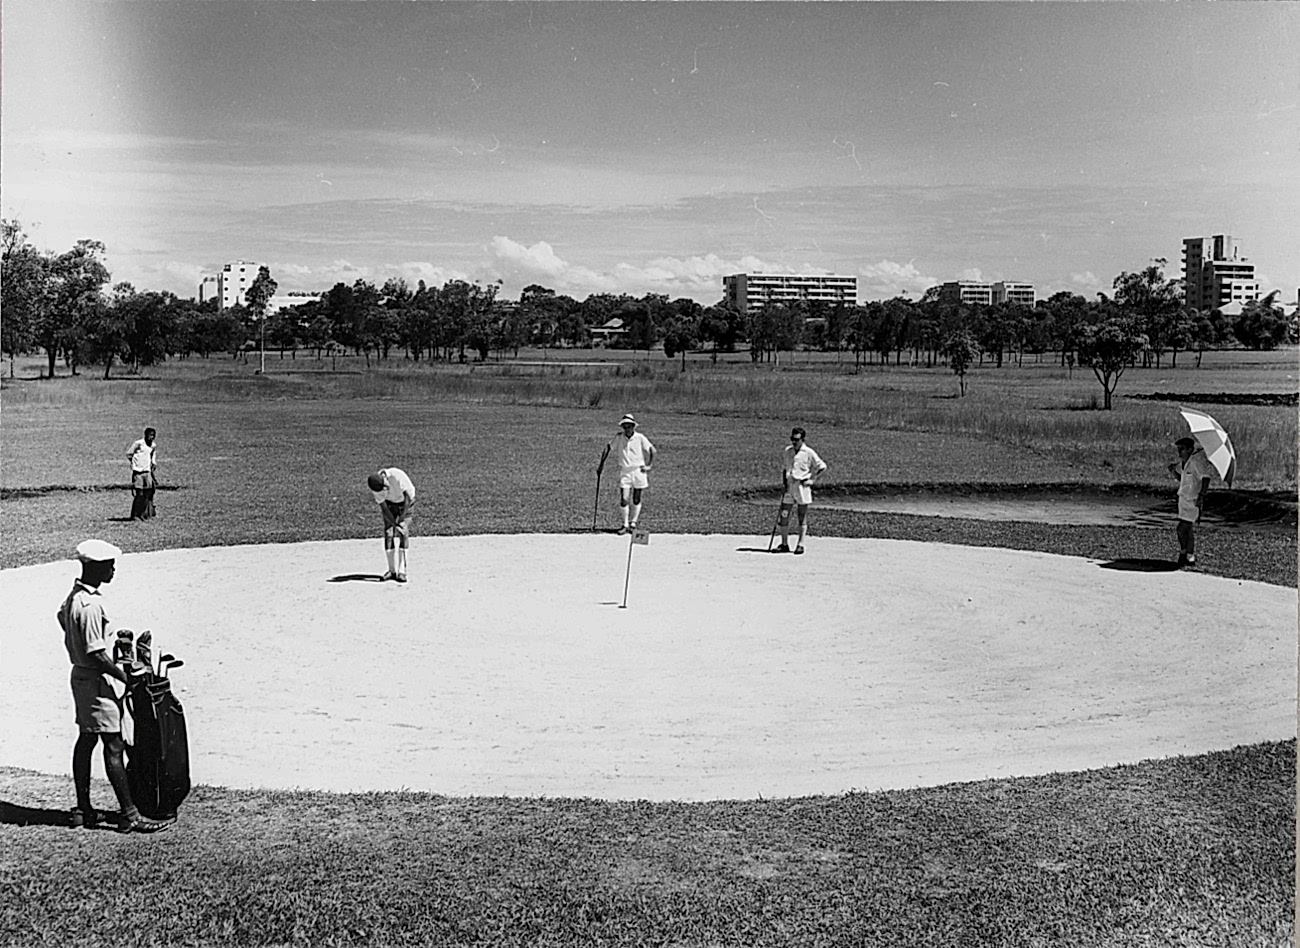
(158,758)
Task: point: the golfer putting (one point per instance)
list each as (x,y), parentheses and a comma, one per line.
(800,469)
(636,456)
(395,495)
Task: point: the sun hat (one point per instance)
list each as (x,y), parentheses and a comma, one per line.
(628,420)
(376,482)
(97,551)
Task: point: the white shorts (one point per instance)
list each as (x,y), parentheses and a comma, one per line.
(1187,510)
(796,493)
(636,479)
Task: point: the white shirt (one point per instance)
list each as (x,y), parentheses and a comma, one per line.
(632,452)
(802,464)
(396,484)
(141,456)
(1197,467)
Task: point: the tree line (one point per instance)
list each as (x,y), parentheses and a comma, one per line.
(64,305)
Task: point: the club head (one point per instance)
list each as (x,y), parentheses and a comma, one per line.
(175,663)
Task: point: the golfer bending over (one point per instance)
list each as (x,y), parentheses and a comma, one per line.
(636,455)
(801,468)
(395,495)
(98,686)
(1193,471)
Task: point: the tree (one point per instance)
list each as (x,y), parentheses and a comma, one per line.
(1152,302)
(1262,324)
(74,282)
(961,350)
(721,325)
(1205,331)
(257,297)
(1108,348)
(24,291)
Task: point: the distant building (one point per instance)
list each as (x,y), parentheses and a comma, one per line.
(1214,273)
(604,334)
(208,289)
(1005,291)
(748,292)
(966,291)
(233,282)
(284,300)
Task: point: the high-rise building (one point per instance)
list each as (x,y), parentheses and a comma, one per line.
(748,292)
(1214,273)
(233,282)
(208,289)
(1007,291)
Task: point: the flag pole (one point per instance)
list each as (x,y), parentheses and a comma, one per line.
(627,578)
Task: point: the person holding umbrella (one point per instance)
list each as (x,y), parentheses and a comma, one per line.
(1194,472)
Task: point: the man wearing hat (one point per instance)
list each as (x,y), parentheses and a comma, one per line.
(636,455)
(395,495)
(98,685)
(1194,472)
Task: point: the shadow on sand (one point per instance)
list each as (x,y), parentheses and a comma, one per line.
(356,578)
(1139,565)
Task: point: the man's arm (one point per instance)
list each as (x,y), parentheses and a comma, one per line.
(107,666)
(649,457)
(1200,497)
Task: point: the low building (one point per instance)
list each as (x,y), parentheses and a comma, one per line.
(750,292)
(208,289)
(966,291)
(1006,291)
(604,334)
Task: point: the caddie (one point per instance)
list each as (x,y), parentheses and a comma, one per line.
(800,468)
(98,687)
(636,456)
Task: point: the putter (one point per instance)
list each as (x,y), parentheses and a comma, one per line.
(777,522)
(599,469)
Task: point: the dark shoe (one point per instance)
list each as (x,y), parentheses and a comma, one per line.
(1189,561)
(141,824)
(401,577)
(84,819)
(783,548)
(387,576)
(623,531)
(798,551)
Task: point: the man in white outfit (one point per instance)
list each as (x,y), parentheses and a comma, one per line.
(800,469)
(1194,472)
(395,495)
(636,455)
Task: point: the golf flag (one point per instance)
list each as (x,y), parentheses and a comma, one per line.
(641,537)
(1211,436)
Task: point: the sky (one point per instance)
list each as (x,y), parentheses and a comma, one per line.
(653,147)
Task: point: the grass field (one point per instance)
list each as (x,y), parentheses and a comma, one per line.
(1196,851)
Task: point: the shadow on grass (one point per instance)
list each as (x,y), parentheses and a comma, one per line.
(15,815)
(356,578)
(1140,565)
(754,549)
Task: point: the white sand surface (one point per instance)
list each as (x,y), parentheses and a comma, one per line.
(507,666)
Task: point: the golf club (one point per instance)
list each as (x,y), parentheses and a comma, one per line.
(777,523)
(599,470)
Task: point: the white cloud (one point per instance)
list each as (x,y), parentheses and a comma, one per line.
(1086,279)
(887,279)
(540,262)
(972,273)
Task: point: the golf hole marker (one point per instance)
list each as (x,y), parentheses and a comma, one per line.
(640,537)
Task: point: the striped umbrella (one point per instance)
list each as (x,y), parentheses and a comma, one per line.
(1211,436)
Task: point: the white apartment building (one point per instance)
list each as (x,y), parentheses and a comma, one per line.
(208,289)
(233,282)
(1007,291)
(1214,273)
(748,292)
(966,291)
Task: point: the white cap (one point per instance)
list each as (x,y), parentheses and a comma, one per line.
(628,420)
(97,551)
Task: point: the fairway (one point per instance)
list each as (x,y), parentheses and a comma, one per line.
(508,667)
